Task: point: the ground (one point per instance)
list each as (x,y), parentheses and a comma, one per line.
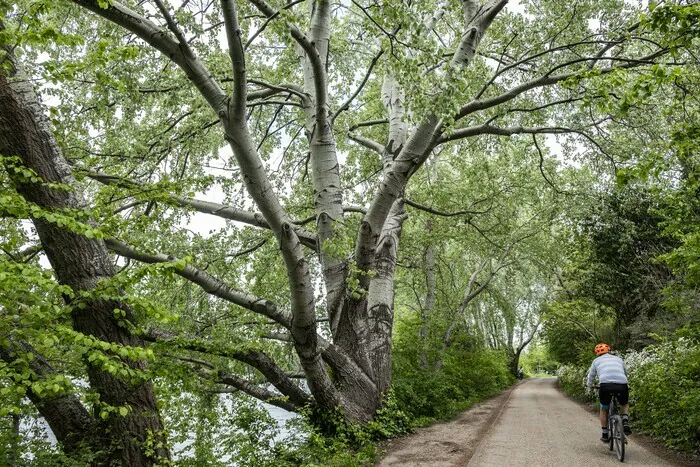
(532,424)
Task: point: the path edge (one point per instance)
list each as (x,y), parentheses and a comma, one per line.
(486,429)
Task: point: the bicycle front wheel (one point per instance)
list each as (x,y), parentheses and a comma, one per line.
(618,436)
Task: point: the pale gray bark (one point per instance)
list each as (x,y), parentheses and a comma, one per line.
(380,302)
(328,197)
(393,100)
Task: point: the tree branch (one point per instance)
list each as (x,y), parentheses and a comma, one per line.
(171,48)
(290,88)
(367,143)
(503,131)
(441,213)
(257,359)
(207,282)
(235,49)
(256,391)
(346,105)
(69,420)
(268,21)
(255,219)
(368,123)
(546,80)
(319,71)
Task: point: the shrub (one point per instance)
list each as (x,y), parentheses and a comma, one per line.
(665,392)
(572,380)
(466,376)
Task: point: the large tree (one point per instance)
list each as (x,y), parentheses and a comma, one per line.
(150,93)
(43,178)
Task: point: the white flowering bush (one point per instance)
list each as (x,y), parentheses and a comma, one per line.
(572,380)
(665,392)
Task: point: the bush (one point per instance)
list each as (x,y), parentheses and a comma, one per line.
(665,392)
(572,380)
(466,376)
(322,438)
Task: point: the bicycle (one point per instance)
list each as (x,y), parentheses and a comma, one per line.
(616,432)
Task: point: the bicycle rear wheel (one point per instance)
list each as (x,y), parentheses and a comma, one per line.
(618,435)
(610,434)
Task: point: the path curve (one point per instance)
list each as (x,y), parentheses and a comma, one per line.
(541,427)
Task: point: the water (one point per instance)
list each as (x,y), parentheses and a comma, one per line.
(37,429)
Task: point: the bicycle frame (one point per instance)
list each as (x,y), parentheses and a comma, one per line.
(616,431)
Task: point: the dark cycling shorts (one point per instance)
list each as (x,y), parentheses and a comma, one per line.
(607,390)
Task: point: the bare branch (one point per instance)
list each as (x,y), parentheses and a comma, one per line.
(368,143)
(441,213)
(346,105)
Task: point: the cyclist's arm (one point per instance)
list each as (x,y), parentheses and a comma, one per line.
(591,375)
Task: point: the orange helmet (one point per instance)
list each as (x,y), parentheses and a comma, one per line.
(601,348)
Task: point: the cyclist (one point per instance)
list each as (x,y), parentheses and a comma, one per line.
(612,378)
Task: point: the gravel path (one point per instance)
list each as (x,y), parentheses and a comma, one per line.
(445,444)
(540,427)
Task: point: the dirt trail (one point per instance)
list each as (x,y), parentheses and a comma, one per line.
(445,444)
(533,425)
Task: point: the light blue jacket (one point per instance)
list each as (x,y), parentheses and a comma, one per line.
(609,368)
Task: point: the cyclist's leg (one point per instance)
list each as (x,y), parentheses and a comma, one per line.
(605,397)
(623,398)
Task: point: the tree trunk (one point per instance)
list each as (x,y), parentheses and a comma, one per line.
(69,420)
(515,362)
(80,263)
